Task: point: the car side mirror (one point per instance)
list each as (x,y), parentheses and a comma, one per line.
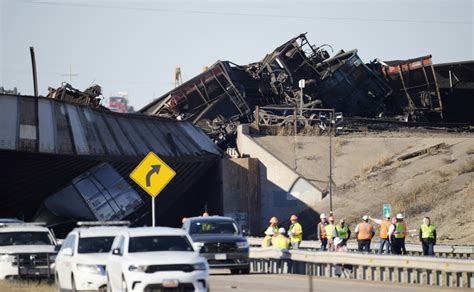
(197,246)
(57,247)
(245,232)
(116,251)
(67,251)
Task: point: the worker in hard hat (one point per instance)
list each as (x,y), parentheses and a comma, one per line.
(364,233)
(321,230)
(270,232)
(281,241)
(295,232)
(343,231)
(384,238)
(331,233)
(427,237)
(397,233)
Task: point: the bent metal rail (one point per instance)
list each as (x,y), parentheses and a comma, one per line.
(434,271)
(451,251)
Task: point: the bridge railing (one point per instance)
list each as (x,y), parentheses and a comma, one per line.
(451,251)
(446,272)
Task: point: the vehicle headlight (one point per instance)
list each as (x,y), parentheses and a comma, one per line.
(92,269)
(136,268)
(200,266)
(242,244)
(7,258)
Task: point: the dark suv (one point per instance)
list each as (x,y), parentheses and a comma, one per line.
(220,241)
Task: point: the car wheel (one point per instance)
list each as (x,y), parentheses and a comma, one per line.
(234,271)
(245,271)
(124,284)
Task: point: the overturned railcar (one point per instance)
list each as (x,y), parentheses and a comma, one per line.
(227,94)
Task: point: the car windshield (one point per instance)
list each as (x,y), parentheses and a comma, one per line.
(95,244)
(159,243)
(213,227)
(25,238)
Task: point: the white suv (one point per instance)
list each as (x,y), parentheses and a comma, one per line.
(151,259)
(26,250)
(80,264)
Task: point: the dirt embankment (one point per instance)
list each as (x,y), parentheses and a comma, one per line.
(403,169)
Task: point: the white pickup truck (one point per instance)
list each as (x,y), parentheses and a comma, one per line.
(26,250)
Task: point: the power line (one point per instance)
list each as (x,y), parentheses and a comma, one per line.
(253,15)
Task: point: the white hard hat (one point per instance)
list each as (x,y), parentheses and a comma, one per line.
(399,216)
(322,216)
(365,217)
(337,241)
(281,230)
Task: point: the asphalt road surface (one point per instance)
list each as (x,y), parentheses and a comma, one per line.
(221,280)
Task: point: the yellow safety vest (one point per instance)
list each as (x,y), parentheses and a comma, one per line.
(280,242)
(330,231)
(342,232)
(400,230)
(427,231)
(296,228)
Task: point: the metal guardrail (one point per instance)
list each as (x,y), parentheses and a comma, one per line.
(449,251)
(433,271)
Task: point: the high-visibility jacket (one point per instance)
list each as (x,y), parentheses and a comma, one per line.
(323,230)
(400,230)
(267,241)
(364,231)
(342,232)
(384,226)
(280,241)
(330,231)
(298,230)
(427,231)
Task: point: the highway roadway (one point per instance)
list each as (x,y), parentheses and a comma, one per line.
(221,280)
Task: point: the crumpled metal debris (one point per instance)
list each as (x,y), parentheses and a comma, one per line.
(227,94)
(90,97)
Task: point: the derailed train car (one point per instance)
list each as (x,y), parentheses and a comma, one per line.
(227,93)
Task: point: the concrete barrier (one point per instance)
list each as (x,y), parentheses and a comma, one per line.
(444,272)
(450,251)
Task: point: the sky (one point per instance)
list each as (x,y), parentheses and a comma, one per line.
(135,46)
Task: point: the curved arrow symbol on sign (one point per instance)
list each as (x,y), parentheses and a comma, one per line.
(154,169)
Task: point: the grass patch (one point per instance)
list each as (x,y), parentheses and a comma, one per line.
(470,150)
(383,161)
(415,202)
(447,160)
(24,286)
(442,174)
(466,167)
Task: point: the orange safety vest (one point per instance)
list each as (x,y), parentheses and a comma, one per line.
(384,226)
(323,231)
(365,231)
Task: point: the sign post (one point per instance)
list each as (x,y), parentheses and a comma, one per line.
(152,175)
(387,209)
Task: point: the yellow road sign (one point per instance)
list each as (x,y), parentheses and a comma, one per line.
(152,174)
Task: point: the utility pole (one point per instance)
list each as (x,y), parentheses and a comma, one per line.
(33,65)
(330,161)
(301,85)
